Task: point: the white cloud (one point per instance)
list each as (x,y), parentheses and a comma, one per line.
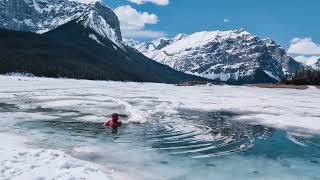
(226,20)
(133,23)
(158,2)
(304,46)
(131,19)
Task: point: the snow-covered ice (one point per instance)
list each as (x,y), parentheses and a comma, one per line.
(20,163)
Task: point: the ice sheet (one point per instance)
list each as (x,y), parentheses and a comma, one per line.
(284,108)
(46,99)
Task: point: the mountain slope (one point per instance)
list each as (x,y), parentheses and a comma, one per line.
(75,51)
(230,56)
(77,40)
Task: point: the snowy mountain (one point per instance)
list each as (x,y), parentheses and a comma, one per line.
(315,64)
(231,56)
(74,39)
(76,51)
(311,62)
(44,15)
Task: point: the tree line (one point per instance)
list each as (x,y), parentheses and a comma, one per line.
(304,76)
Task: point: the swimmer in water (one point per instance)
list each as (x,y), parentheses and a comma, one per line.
(114,122)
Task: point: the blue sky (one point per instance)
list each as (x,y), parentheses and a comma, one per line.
(285,21)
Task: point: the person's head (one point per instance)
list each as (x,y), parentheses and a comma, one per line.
(115,117)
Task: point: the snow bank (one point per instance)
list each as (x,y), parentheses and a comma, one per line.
(18,162)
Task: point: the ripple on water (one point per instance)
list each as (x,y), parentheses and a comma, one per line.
(207,135)
(188,133)
(192,134)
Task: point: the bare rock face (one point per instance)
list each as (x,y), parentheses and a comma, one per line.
(230,56)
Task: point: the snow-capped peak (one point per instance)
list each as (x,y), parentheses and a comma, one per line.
(184,42)
(130,42)
(98,23)
(233,55)
(312,61)
(41,16)
(179,36)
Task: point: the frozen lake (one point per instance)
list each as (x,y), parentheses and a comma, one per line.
(51,128)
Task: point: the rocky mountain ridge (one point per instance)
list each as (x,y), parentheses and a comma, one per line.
(232,56)
(41,16)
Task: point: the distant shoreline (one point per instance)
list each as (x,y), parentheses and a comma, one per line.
(260,85)
(280,86)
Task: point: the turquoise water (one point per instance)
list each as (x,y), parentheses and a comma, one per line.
(188,145)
